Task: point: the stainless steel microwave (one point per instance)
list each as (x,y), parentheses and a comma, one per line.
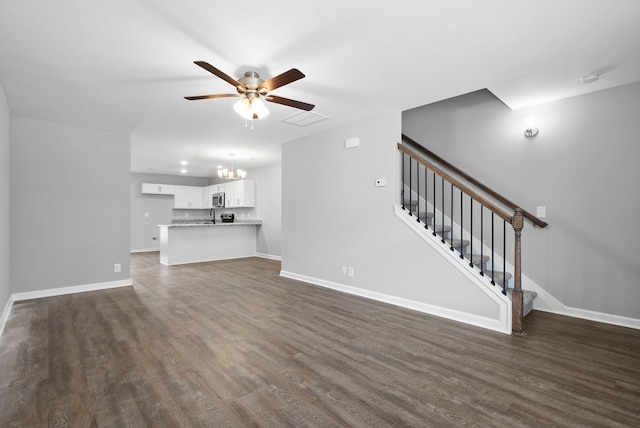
(218,200)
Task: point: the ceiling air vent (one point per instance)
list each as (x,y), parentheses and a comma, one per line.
(304,118)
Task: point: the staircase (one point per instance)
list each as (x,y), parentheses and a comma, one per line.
(460,248)
(470,220)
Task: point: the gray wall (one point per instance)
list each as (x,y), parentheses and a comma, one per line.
(269,208)
(5,203)
(583,166)
(334,216)
(69,205)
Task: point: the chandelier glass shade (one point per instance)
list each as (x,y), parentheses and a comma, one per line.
(250,109)
(230,174)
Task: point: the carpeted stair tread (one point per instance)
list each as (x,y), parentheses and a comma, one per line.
(527,300)
(478,260)
(457,244)
(498,277)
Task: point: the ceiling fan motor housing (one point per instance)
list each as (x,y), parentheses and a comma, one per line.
(251,82)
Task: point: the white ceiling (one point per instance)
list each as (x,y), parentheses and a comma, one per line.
(126,65)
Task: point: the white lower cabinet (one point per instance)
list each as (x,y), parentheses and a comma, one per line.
(188,197)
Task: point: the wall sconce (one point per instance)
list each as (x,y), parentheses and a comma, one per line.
(530,128)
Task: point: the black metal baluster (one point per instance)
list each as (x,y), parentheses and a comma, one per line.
(481,240)
(504,257)
(461,221)
(402,188)
(426,198)
(493,254)
(410,184)
(434,203)
(471,236)
(442,211)
(418,192)
(450,219)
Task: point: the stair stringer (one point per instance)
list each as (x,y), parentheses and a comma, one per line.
(503,323)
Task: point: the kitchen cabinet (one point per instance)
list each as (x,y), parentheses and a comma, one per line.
(188,197)
(158,189)
(240,193)
(206,196)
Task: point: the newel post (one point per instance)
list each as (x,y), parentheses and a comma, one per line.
(517,221)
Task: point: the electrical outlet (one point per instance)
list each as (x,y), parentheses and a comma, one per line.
(146,215)
(117,267)
(351,271)
(344,270)
(186,214)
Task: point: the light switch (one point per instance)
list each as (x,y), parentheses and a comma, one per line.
(146,215)
(541,211)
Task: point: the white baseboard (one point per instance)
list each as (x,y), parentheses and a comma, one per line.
(269,256)
(145,250)
(484,322)
(38,294)
(5,314)
(594,316)
(70,290)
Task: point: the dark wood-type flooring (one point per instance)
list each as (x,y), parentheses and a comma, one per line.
(232,344)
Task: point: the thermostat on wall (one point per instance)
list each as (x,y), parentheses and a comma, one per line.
(351,143)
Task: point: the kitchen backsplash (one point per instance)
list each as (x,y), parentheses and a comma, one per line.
(198,216)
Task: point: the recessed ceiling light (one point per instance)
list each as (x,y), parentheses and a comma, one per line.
(184,163)
(184,171)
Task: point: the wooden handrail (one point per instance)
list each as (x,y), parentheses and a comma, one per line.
(472,180)
(457,183)
(515,220)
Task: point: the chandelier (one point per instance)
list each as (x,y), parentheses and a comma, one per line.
(230,174)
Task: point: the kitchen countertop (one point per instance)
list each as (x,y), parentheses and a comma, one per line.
(217,224)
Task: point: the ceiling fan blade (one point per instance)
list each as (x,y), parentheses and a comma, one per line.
(211,69)
(206,97)
(290,103)
(281,80)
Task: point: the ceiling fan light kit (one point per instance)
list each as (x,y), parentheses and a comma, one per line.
(253,90)
(250,109)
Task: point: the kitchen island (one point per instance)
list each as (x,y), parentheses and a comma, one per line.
(201,242)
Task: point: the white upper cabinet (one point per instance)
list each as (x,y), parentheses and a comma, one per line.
(158,189)
(188,197)
(207,192)
(237,193)
(240,193)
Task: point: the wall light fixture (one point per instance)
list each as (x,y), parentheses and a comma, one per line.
(530,127)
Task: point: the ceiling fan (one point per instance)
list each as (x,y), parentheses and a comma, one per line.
(252,89)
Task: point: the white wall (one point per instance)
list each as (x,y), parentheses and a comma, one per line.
(583,166)
(334,216)
(69,205)
(5,203)
(269,209)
